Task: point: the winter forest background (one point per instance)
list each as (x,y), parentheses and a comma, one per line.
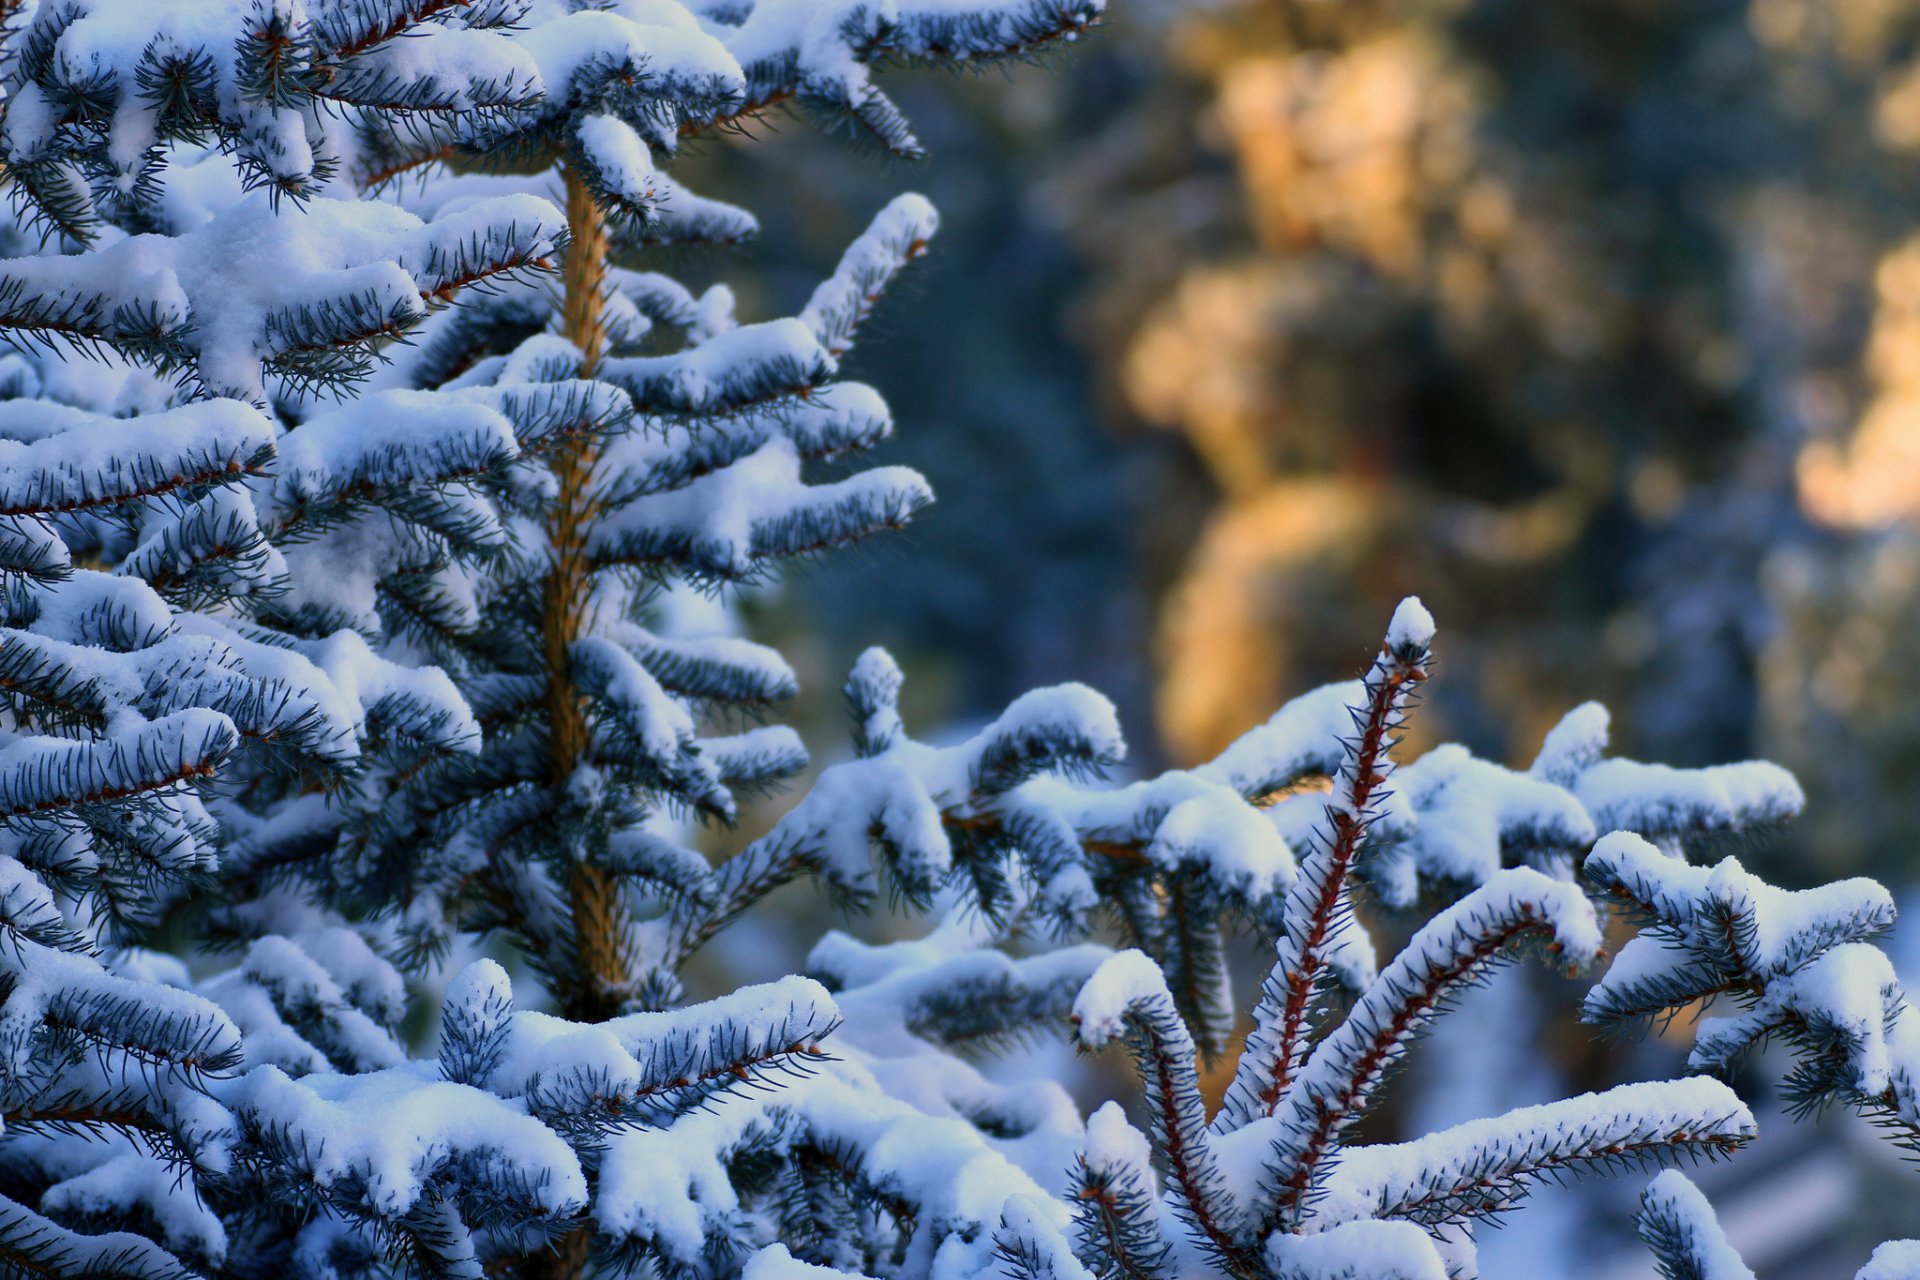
(439,556)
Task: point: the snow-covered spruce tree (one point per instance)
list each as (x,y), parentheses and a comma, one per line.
(333,651)
(237,531)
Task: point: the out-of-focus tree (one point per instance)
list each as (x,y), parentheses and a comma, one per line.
(1578,301)
(1838,680)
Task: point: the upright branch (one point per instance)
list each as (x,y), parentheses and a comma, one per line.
(1341,1078)
(1678,1225)
(1127,996)
(1481,1169)
(1117,1211)
(1317,910)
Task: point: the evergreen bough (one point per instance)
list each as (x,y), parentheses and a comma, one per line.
(350,451)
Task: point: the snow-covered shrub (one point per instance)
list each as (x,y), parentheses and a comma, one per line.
(350,448)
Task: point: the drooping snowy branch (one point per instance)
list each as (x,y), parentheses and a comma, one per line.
(1800,964)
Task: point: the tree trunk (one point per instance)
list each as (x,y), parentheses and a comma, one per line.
(602,971)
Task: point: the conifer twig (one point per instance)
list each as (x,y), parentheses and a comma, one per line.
(1317,907)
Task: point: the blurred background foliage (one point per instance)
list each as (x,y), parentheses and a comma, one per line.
(1595,323)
